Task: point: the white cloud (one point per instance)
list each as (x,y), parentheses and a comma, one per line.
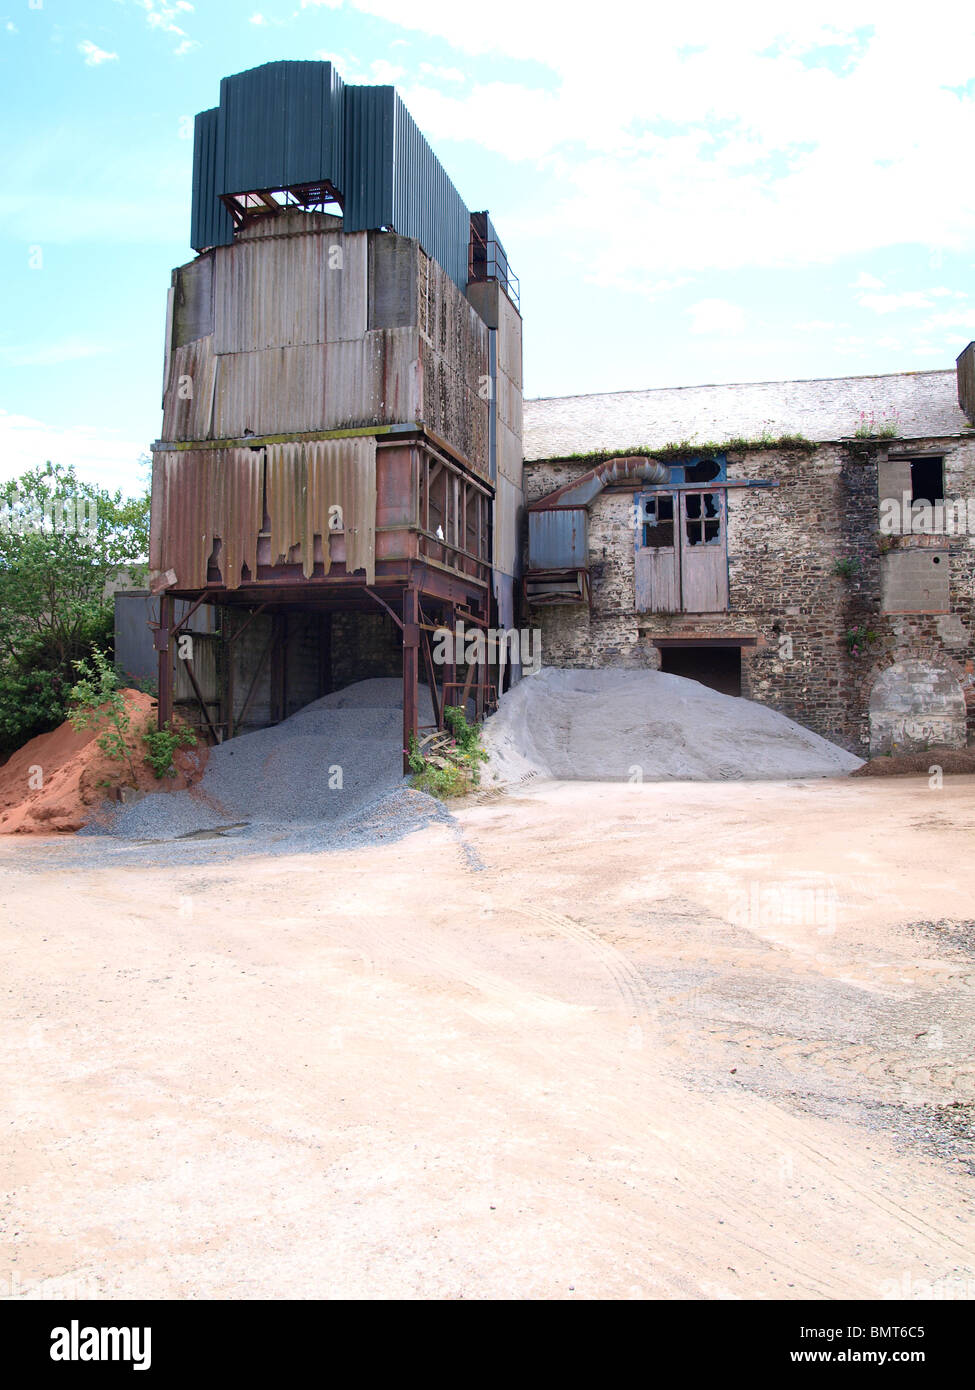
(161,15)
(50,354)
(186,46)
(99,455)
(717,318)
(815,326)
(867,282)
(733,145)
(258,19)
(890,303)
(444,74)
(384,73)
(95,56)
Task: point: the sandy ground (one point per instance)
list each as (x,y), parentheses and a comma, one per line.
(658,1041)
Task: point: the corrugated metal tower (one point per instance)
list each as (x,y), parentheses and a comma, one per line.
(341,401)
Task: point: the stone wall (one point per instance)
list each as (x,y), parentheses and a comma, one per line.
(784,543)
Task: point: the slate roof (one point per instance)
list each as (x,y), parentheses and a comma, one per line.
(924,404)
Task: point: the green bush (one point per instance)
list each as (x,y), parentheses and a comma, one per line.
(97,702)
(162,743)
(452,767)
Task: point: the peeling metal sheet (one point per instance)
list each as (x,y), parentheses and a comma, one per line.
(189,394)
(304,481)
(199,497)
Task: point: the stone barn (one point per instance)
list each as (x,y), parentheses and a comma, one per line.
(807,544)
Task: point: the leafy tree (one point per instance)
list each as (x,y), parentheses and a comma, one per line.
(62,541)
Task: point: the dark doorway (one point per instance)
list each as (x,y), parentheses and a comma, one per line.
(717,667)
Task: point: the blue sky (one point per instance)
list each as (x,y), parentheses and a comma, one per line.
(724,193)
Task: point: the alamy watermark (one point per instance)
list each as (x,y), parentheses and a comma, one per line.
(21,514)
(900,516)
(497,646)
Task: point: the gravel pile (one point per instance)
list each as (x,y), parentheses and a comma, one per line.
(617,726)
(333,770)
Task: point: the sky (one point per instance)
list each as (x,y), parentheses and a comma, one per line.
(688,194)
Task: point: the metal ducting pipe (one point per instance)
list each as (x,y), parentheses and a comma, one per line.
(620,470)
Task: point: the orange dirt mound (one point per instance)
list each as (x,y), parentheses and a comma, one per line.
(56,782)
(957,761)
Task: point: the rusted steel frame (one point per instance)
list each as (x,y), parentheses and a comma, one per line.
(280,639)
(425,630)
(242,629)
(450,674)
(398,621)
(325,653)
(411,609)
(164,702)
(189,613)
(188,663)
(239,719)
(448,545)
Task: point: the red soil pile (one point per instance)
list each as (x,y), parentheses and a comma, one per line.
(56,782)
(951,760)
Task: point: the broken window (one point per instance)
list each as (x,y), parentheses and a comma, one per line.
(703,518)
(703,472)
(658,522)
(927,480)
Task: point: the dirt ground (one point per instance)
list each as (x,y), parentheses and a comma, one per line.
(614,1041)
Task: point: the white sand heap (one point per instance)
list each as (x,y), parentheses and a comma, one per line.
(611,726)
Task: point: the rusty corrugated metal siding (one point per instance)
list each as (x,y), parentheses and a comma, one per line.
(304,481)
(281,291)
(199,496)
(558,539)
(965,370)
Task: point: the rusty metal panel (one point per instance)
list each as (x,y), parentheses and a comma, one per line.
(193,300)
(206,669)
(965,371)
(365,381)
(303,287)
(305,482)
(189,394)
(201,497)
(557,539)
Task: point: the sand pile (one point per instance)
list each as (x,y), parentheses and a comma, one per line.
(56,782)
(326,764)
(612,726)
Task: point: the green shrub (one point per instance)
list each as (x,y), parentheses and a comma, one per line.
(162,743)
(451,764)
(96,701)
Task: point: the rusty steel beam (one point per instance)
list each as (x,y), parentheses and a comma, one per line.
(411,641)
(188,663)
(162,639)
(186,616)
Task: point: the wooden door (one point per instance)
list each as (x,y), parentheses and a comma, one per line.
(657,559)
(703,552)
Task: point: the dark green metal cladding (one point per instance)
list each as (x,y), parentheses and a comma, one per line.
(292,123)
(281,124)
